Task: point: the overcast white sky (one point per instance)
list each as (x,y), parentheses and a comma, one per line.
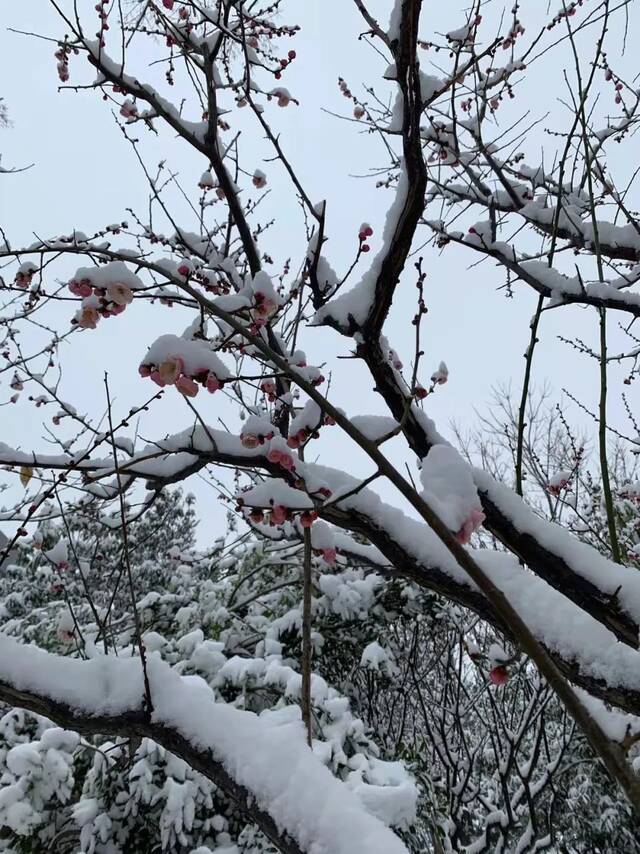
(85,176)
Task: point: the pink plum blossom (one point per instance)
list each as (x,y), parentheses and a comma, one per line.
(119,293)
(259,179)
(187,386)
(80,289)
(249,440)
(157,379)
(470,524)
(171,369)
(185,267)
(212,383)
(129,110)
(88,318)
(297,439)
(499,675)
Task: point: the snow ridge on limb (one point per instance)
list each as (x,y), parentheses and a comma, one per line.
(608,591)
(262,763)
(367,304)
(585,651)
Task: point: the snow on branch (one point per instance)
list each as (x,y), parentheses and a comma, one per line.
(586,651)
(260,761)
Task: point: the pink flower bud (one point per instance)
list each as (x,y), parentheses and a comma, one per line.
(499,675)
(185,267)
(249,440)
(129,110)
(213,384)
(187,386)
(286,461)
(80,289)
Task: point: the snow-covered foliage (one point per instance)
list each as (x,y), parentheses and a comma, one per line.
(230,617)
(392,667)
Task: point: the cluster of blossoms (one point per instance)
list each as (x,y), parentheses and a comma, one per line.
(284,62)
(265,301)
(358,110)
(280,454)
(516,30)
(618,86)
(269,388)
(264,309)
(364,232)
(208,182)
(25,274)
(558,482)
(99,302)
(172,372)
(298,438)
(277,514)
(282,95)
(62,56)
(17,385)
(186,363)
(299,435)
(567,11)
(103,15)
(206,277)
